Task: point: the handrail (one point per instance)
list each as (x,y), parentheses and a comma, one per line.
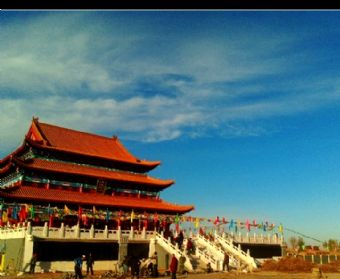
(174,250)
(236,251)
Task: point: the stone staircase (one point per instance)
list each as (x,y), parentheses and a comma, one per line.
(173,249)
(245,260)
(213,253)
(209,251)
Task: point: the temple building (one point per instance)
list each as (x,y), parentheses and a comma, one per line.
(65,193)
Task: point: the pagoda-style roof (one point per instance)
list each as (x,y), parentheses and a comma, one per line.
(57,138)
(64,156)
(25,193)
(91,171)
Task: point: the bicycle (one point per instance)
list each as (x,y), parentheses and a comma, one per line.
(69,275)
(108,274)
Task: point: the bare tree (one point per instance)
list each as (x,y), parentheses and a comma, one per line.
(301,243)
(293,241)
(332,245)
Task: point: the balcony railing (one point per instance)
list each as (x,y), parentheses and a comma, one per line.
(76,233)
(256,238)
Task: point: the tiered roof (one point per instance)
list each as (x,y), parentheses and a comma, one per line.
(89,171)
(61,139)
(88,156)
(24,193)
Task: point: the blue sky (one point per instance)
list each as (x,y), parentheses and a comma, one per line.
(241,107)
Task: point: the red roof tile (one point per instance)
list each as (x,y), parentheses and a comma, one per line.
(29,194)
(5,161)
(86,143)
(89,171)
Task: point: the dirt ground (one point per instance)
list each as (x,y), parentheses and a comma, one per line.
(214,275)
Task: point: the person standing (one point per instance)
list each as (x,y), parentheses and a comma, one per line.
(33,263)
(135,265)
(125,265)
(155,265)
(180,239)
(89,264)
(181,262)
(226,261)
(78,264)
(173,266)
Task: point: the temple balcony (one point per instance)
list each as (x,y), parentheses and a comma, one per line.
(77,233)
(255,238)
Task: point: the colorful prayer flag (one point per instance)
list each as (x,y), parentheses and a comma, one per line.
(280,229)
(177,219)
(132,215)
(197,222)
(66,210)
(231,225)
(107,217)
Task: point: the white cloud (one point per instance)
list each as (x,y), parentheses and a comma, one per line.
(84,73)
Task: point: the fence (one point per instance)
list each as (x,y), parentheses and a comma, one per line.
(320,259)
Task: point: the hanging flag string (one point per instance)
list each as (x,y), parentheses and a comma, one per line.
(21,212)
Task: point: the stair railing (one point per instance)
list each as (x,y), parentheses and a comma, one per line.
(173,249)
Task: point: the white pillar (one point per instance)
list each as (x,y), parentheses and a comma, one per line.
(92,231)
(45,230)
(28,250)
(106,232)
(119,233)
(144,233)
(77,231)
(62,230)
(217,267)
(152,247)
(29,228)
(131,233)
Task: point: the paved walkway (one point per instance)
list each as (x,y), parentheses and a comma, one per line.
(214,275)
(259,275)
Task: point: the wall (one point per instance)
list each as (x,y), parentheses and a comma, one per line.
(262,251)
(13,249)
(68,266)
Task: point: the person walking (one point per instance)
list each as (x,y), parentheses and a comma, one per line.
(89,264)
(179,240)
(173,266)
(190,247)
